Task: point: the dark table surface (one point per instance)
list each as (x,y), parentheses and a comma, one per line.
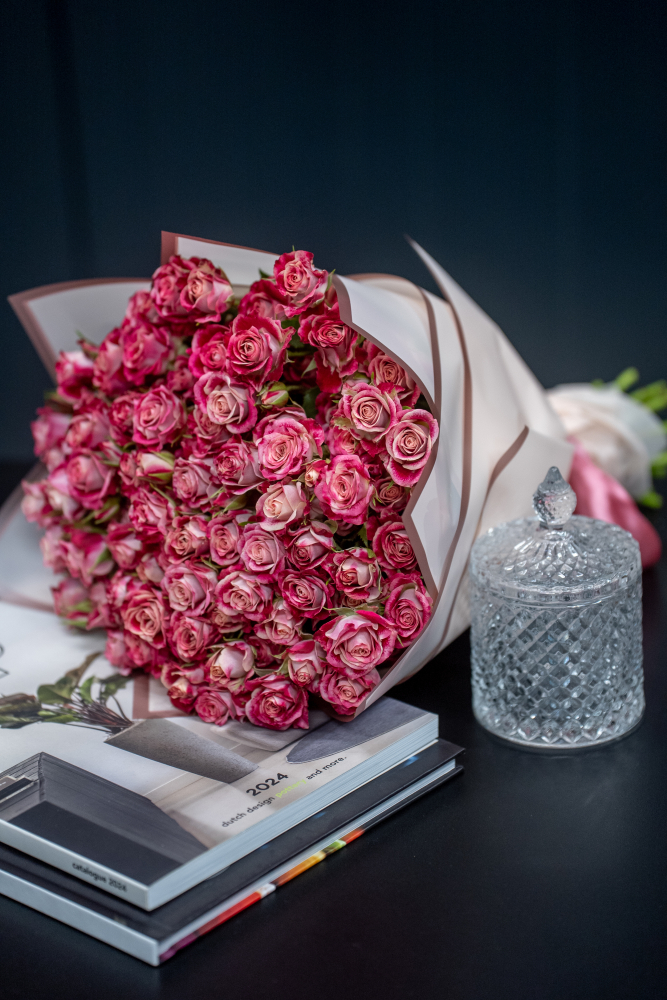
(529,877)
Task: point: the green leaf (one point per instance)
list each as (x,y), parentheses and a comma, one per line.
(85,691)
(311,366)
(650,499)
(626,379)
(659,465)
(653,396)
(363,536)
(263,274)
(111,686)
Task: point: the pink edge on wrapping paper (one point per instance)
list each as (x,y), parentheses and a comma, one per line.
(600,495)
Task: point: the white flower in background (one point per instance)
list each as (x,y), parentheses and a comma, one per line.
(621,435)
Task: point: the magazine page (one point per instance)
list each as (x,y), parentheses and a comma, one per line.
(105,767)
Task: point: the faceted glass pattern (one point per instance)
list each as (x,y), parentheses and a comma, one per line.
(557,631)
(556,677)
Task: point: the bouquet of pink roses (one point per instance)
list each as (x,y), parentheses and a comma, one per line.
(226,477)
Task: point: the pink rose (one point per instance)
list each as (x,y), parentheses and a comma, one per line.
(189,587)
(388,375)
(308,547)
(233,662)
(186,537)
(209,349)
(281,505)
(368,411)
(408,606)
(215,707)
(121,417)
(207,436)
(281,627)
(341,441)
(87,556)
(71,602)
(308,594)
(189,635)
(150,513)
(154,466)
(306,663)
(256,350)
(149,568)
(285,443)
(74,372)
(190,289)
(263,299)
(102,615)
(346,694)
(108,374)
(236,466)
(277,703)
(58,493)
(261,551)
(299,282)
(223,538)
(35,505)
(389,495)
(147,350)
(242,595)
(180,379)
(393,547)
(88,429)
(159,418)
(53,552)
(345,489)
(357,574)
(358,642)
(409,444)
(141,307)
(225,403)
(192,480)
(49,429)
(335,342)
(144,615)
(116,651)
(89,480)
(125,545)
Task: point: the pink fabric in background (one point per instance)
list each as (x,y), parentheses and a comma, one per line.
(600,495)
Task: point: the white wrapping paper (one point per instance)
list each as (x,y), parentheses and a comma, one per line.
(498,432)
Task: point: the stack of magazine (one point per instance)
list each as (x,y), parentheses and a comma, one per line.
(146,828)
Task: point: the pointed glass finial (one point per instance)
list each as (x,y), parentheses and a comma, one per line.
(554,500)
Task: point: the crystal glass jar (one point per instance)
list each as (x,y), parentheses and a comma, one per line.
(557,626)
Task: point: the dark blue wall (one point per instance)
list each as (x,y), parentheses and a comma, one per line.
(522,143)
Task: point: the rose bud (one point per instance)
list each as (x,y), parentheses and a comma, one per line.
(187,537)
(71,602)
(49,429)
(347,694)
(155,466)
(307,594)
(358,642)
(88,429)
(345,489)
(408,606)
(308,547)
(144,614)
(209,350)
(281,505)
(242,595)
(387,374)
(302,285)
(188,587)
(108,374)
(234,661)
(393,547)
(281,627)
(74,372)
(159,418)
(409,444)
(277,703)
(125,545)
(225,403)
(356,574)
(306,663)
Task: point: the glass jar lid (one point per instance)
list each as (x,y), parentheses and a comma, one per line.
(555,558)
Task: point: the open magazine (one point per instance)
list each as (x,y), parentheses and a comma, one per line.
(100,776)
